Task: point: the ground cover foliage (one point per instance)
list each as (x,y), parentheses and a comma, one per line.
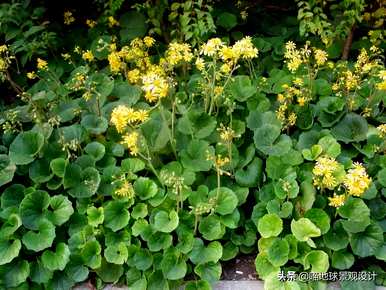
(144,143)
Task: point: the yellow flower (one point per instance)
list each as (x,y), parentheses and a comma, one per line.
(177,52)
(3,48)
(337,200)
(382,130)
(292,119)
(226,68)
(134,76)
(227,53)
(218,90)
(227,134)
(141,116)
(323,172)
(301,101)
(91,23)
(68,18)
(66,56)
(320,56)
(112,21)
(356,180)
(31,75)
(211,47)
(88,56)
(280,98)
(120,117)
(125,190)
(148,41)
(131,142)
(115,62)
(200,64)
(244,49)
(154,86)
(41,64)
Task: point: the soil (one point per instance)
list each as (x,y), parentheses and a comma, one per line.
(240,268)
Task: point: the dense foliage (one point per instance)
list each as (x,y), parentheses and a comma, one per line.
(149,142)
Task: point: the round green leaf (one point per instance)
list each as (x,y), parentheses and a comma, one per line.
(7,169)
(95,216)
(320,218)
(252,175)
(342,260)
(365,244)
(263,267)
(304,229)
(198,285)
(270,225)
(226,200)
(145,188)
(352,128)
(195,156)
(173,265)
(116,254)
(42,239)
(61,210)
(86,184)
(9,251)
(109,273)
(278,252)
(33,208)
(94,124)
(58,166)
(139,211)
(15,273)
(211,228)
(56,260)
(336,238)
(209,272)
(25,147)
(10,226)
(164,222)
(116,215)
(317,260)
(96,150)
(39,273)
(91,254)
(201,254)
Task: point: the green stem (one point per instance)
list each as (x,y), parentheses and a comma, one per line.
(170,134)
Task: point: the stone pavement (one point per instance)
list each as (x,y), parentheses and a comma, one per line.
(227,285)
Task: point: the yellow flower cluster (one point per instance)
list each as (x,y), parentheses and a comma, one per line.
(112,21)
(382,130)
(356,180)
(125,190)
(296,57)
(5,58)
(68,17)
(41,64)
(91,23)
(31,75)
(324,172)
(155,86)
(178,52)
(121,116)
(130,140)
(227,134)
(382,85)
(243,49)
(337,200)
(114,62)
(328,173)
(88,55)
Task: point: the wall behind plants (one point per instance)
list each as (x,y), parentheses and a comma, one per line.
(147,148)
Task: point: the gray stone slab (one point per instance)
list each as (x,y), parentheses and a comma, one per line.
(221,285)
